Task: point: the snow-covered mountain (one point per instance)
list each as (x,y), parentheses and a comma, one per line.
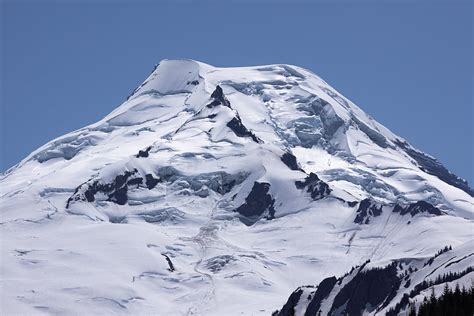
(219,191)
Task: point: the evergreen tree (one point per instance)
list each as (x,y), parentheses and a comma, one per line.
(412,311)
(450,303)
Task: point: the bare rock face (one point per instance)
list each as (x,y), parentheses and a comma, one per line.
(258,203)
(313,185)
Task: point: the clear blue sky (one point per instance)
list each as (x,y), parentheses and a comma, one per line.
(407,63)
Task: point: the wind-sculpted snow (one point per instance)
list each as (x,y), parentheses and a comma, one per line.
(218,191)
(171,77)
(67,147)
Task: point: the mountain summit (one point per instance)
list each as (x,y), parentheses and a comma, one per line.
(219,191)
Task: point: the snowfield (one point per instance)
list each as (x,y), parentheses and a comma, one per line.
(219,191)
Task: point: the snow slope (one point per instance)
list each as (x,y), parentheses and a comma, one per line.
(218,191)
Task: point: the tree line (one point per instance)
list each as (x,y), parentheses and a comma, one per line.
(459,302)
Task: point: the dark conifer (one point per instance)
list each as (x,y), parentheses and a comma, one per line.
(457,303)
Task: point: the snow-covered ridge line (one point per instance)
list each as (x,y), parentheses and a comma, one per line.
(385,289)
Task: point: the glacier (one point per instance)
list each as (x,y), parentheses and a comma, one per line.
(222,191)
